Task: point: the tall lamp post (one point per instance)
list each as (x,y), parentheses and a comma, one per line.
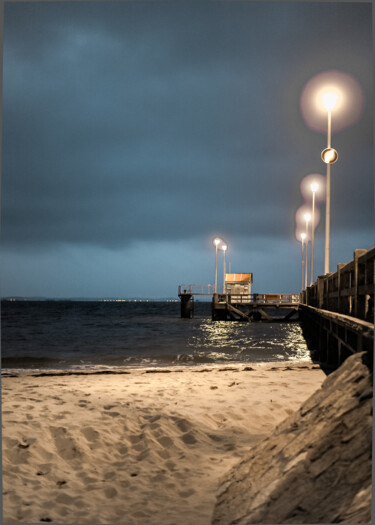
(217,241)
(314,188)
(329,156)
(224,248)
(303,237)
(307,218)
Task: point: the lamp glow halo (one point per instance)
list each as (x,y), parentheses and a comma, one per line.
(301,222)
(348,100)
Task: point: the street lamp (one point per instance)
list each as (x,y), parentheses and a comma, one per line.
(224,248)
(329,156)
(307,218)
(314,187)
(303,237)
(217,241)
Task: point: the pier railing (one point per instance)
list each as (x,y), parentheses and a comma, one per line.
(275,298)
(349,291)
(196,289)
(259,298)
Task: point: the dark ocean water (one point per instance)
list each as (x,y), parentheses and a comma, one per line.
(87,335)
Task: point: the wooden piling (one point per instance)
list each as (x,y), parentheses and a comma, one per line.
(186,305)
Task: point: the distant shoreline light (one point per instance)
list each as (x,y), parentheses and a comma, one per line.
(104,300)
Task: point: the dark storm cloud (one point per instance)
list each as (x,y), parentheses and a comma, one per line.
(126,121)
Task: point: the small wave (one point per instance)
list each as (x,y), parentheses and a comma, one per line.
(168,359)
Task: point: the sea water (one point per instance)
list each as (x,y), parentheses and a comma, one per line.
(107,334)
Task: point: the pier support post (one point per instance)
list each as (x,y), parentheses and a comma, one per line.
(186,305)
(219,307)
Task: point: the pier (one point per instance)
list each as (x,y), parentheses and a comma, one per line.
(336,312)
(236,306)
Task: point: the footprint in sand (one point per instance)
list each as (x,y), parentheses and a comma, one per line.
(109,475)
(65,444)
(136,438)
(165,441)
(122,449)
(140,447)
(163,453)
(189,438)
(215,437)
(83,403)
(186,493)
(152,419)
(183,425)
(65,499)
(158,477)
(110,492)
(124,483)
(112,414)
(90,433)
(170,465)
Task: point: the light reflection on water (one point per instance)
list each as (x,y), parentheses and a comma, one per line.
(233,340)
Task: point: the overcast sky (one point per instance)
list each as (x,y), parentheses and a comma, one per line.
(135,132)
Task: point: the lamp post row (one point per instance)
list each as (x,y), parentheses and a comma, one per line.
(329,156)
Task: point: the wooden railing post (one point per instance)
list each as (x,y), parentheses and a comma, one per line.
(320,291)
(356,298)
(339,266)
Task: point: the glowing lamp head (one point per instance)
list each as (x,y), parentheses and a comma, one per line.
(314,187)
(224,247)
(307,217)
(217,241)
(303,237)
(329,100)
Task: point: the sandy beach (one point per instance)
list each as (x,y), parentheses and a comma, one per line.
(142,447)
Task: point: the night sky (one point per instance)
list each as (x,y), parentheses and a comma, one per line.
(135,132)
